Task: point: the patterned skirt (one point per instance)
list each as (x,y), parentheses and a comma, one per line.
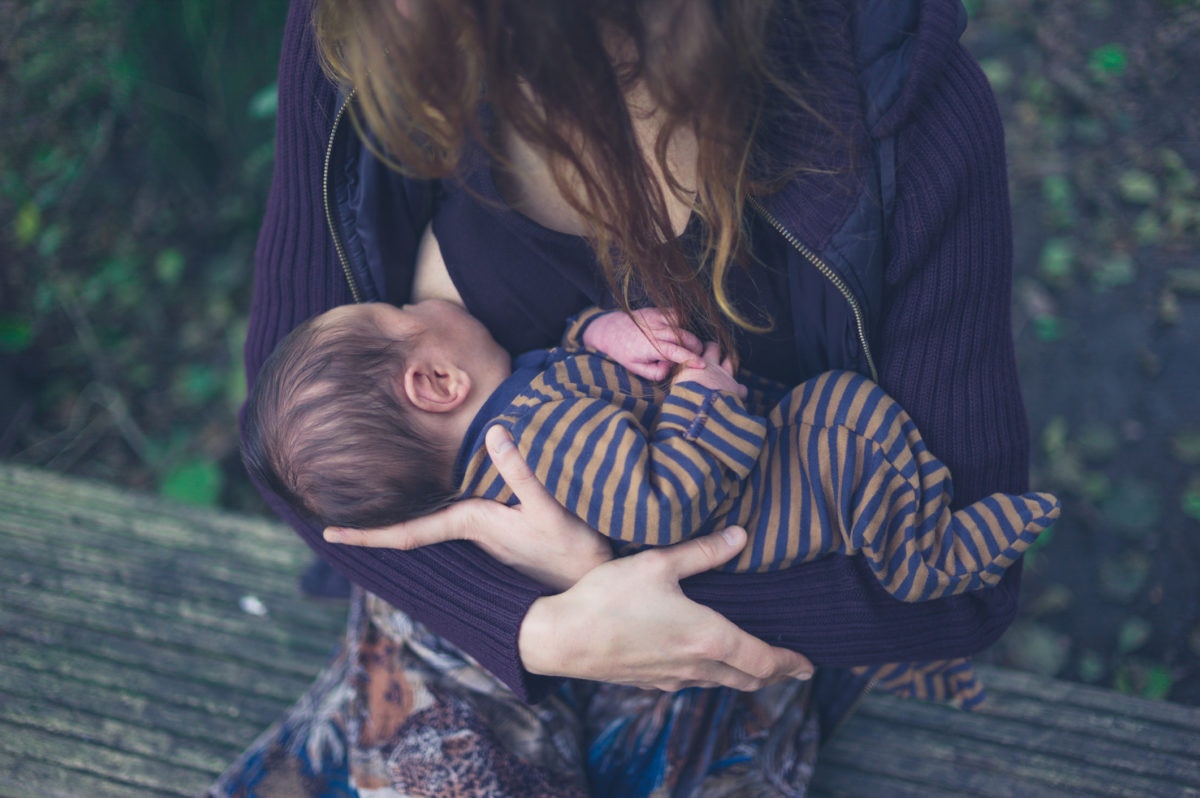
(402,713)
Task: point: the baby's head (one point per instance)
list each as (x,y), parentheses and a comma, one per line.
(357,415)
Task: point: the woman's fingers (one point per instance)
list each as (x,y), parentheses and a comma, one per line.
(748,659)
(453,523)
(516,472)
(705,553)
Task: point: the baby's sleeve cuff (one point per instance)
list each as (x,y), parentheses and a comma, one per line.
(715,420)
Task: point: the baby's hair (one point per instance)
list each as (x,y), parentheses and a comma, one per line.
(328,428)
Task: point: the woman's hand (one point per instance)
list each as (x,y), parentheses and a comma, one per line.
(649,342)
(539,537)
(628,622)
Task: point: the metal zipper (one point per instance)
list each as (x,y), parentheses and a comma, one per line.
(337,241)
(829,275)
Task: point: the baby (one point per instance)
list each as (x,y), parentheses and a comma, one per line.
(372,414)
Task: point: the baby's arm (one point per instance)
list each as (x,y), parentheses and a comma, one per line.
(647,342)
(651,474)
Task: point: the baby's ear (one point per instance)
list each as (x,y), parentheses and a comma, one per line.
(435,388)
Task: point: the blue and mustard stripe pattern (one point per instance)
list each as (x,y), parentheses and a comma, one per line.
(834,466)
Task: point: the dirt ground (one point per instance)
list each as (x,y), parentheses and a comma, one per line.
(134,189)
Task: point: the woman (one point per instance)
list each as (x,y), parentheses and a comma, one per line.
(820,184)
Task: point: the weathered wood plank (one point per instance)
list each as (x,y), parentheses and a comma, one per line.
(127,668)
(123,518)
(84,756)
(245,639)
(142,567)
(93,658)
(985,754)
(1040,734)
(24,777)
(212,716)
(976,768)
(142,733)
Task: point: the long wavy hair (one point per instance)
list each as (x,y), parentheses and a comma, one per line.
(422,69)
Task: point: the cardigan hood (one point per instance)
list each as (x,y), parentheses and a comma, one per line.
(867,66)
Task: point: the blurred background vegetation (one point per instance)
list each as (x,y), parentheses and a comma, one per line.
(135,155)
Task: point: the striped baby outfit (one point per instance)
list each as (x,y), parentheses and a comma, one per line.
(834,466)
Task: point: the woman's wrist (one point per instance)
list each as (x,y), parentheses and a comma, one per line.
(537,638)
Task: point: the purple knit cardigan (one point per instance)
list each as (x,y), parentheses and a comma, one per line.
(943,347)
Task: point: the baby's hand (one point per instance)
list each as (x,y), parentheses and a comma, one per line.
(649,343)
(715,373)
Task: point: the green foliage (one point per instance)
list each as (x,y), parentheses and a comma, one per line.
(16,334)
(1058,261)
(1144,680)
(132,188)
(1108,61)
(1191,498)
(193,482)
(1059,196)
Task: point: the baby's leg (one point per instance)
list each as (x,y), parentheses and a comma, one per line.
(889,496)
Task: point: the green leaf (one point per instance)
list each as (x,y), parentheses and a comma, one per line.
(1091,666)
(1191,498)
(1148,228)
(1054,437)
(265,102)
(998,72)
(1047,328)
(28,223)
(1133,634)
(1148,681)
(1058,260)
(1059,194)
(193,482)
(1117,270)
(1108,61)
(1158,683)
(16,335)
(197,383)
(168,266)
(1138,187)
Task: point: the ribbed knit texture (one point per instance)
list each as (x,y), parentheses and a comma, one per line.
(944,351)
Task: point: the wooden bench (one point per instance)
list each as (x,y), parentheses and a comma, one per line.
(133,648)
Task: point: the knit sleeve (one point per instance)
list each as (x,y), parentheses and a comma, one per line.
(453,588)
(946,354)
